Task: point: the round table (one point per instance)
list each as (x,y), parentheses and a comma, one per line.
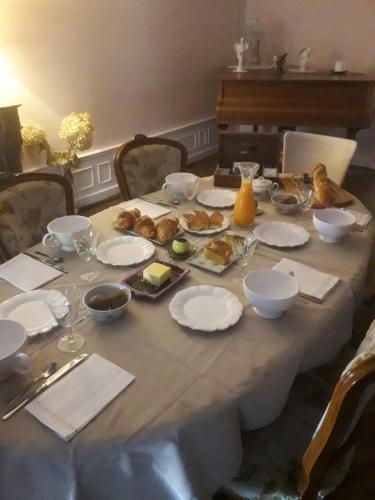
(175,432)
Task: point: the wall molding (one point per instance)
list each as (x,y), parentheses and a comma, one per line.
(95,179)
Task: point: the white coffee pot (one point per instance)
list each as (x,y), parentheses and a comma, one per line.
(263,188)
(13,338)
(181,186)
(63,230)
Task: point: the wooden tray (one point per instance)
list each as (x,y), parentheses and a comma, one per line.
(341,198)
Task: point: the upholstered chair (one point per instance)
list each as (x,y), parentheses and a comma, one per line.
(302,151)
(28,202)
(307,452)
(142,164)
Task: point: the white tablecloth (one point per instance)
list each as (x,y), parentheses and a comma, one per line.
(175,432)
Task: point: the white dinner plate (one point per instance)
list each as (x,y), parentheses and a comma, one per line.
(224,225)
(206,308)
(31,310)
(217,198)
(281,234)
(125,251)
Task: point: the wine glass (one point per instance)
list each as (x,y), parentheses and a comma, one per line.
(85,247)
(306,197)
(65,308)
(247,251)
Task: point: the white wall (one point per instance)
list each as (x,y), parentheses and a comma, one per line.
(135,65)
(335,29)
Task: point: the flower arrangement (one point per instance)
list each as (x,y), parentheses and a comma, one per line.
(76,131)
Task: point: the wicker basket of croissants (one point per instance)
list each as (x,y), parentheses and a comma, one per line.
(132,220)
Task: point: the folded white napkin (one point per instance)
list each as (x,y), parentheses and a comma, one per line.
(71,403)
(26,273)
(146,208)
(362,219)
(313,284)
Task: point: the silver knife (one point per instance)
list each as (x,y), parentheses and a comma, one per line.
(50,380)
(58,267)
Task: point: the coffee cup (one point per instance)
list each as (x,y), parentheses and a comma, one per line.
(13,338)
(181,186)
(63,230)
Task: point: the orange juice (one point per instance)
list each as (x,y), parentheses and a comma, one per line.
(244,207)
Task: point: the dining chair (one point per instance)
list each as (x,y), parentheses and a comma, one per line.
(28,202)
(272,466)
(264,149)
(302,151)
(142,164)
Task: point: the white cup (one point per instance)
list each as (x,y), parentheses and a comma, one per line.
(63,230)
(339,67)
(13,338)
(181,186)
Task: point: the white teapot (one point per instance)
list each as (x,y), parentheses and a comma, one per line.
(263,188)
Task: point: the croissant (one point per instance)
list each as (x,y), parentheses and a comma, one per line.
(165,230)
(198,220)
(145,227)
(126,219)
(216,219)
(323,193)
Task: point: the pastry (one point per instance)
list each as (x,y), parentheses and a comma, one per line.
(235,240)
(219,252)
(216,220)
(166,229)
(126,219)
(145,226)
(198,220)
(323,193)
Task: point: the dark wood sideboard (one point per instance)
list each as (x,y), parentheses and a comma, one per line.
(288,100)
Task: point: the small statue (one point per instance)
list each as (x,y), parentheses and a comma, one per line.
(240,49)
(304,55)
(279,63)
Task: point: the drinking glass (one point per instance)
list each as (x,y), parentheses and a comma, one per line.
(247,251)
(85,247)
(306,197)
(65,308)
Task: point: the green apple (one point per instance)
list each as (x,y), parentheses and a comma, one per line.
(180,246)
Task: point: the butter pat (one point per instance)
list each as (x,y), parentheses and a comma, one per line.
(156,273)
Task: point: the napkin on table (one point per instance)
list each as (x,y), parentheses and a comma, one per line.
(361,219)
(26,273)
(146,208)
(72,402)
(313,284)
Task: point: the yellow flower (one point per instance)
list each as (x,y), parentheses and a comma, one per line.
(33,134)
(77,131)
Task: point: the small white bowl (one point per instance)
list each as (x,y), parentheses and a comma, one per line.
(106,289)
(270,292)
(284,208)
(333,224)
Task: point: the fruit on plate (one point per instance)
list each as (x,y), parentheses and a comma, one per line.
(157,274)
(180,246)
(219,252)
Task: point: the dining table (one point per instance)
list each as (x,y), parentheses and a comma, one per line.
(175,432)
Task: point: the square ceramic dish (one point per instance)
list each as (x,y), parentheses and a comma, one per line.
(142,288)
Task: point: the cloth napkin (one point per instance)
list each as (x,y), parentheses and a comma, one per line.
(146,208)
(26,273)
(71,403)
(313,284)
(362,219)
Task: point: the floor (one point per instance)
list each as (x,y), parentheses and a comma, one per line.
(360,482)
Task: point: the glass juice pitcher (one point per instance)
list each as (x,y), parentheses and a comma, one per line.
(244,206)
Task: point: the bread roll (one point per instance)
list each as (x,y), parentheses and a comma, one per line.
(323,193)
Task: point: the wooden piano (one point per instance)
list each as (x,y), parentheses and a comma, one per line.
(262,97)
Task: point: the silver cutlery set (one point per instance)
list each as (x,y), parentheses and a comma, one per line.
(51,379)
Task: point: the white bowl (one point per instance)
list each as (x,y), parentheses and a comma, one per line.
(106,289)
(284,208)
(270,292)
(333,224)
